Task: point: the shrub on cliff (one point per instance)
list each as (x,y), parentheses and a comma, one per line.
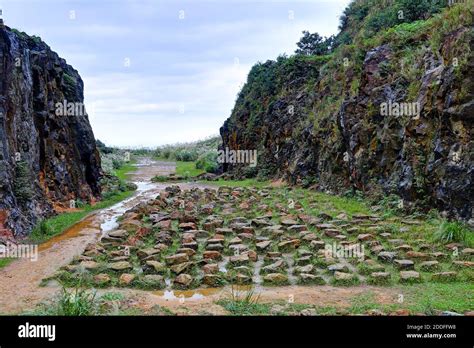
(22,183)
(208,162)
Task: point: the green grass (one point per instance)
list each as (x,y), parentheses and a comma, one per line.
(123,172)
(5,261)
(451,232)
(244,303)
(187,169)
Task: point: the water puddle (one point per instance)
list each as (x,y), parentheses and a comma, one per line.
(72,232)
(181,295)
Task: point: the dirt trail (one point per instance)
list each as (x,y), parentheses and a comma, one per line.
(20,288)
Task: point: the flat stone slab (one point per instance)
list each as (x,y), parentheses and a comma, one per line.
(409,276)
(404,264)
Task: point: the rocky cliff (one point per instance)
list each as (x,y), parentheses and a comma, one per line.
(48,156)
(388,112)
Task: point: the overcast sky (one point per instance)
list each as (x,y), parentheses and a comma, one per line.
(166,71)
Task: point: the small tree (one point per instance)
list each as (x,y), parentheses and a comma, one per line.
(314,44)
(22,182)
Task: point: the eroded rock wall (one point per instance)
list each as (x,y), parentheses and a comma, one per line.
(46,159)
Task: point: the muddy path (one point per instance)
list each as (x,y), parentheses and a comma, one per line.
(20,281)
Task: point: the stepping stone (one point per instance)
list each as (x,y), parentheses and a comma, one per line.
(276,278)
(365,237)
(187,226)
(210,268)
(409,276)
(157,266)
(308,237)
(342,216)
(385,235)
(200,233)
(235,240)
(241,278)
(183,280)
(246,236)
(239,220)
(239,260)
(324,226)
(118,234)
(417,255)
(244,229)
(215,247)
(306,278)
(353,230)
(224,231)
(278,265)
(340,237)
(304,269)
(429,266)
(144,253)
(377,249)
(464,264)
(188,251)
(444,276)
(467,252)
(289,244)
(297,228)
(261,222)
(380,277)
(304,252)
(438,255)
(331,233)
(191,245)
(360,216)
(212,255)
(404,247)
(387,256)
(101,279)
(263,245)
(343,277)
(180,267)
(120,266)
(176,259)
(238,248)
(396,241)
(324,216)
(317,244)
(126,279)
(89,265)
(289,222)
(303,260)
(212,280)
(404,264)
(215,240)
(338,267)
